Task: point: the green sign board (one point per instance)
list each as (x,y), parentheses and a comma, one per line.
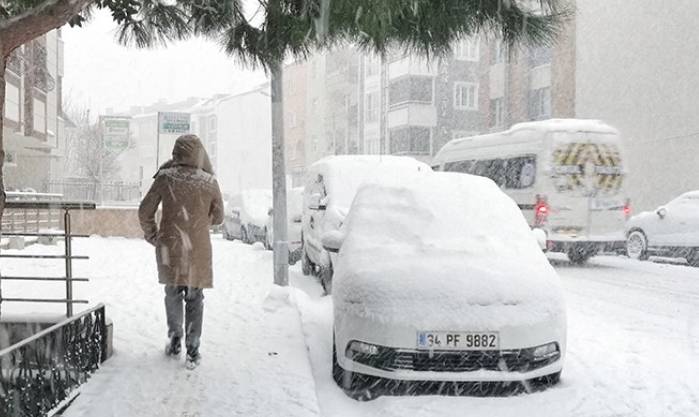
(115,132)
(174,123)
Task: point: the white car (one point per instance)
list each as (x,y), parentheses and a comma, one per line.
(331,184)
(246,216)
(440,280)
(670,230)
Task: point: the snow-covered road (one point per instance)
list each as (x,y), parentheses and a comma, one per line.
(633,342)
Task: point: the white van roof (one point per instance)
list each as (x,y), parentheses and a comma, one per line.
(543,126)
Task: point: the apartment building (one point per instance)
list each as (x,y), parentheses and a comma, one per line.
(33,120)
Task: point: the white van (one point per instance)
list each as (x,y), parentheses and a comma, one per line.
(331,184)
(566,175)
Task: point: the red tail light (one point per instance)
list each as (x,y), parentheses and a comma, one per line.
(627,209)
(541,211)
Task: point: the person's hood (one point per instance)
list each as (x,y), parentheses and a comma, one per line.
(189,151)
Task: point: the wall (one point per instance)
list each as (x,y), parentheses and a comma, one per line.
(103,221)
(636,68)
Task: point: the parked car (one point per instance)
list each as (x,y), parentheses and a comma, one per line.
(439,279)
(331,184)
(566,175)
(671,230)
(294,209)
(246,216)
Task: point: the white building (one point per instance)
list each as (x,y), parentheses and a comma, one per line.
(33,122)
(237,131)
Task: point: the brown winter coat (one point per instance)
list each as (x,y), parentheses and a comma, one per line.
(191,203)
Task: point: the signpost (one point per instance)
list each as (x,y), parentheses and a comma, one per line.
(171,123)
(116,132)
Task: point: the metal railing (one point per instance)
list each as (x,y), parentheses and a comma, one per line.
(30,220)
(107,192)
(67,256)
(40,372)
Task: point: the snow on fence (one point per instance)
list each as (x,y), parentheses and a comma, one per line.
(40,373)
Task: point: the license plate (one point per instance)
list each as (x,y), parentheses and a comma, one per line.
(440,340)
(606,204)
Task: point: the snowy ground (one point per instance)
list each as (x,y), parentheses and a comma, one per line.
(633,343)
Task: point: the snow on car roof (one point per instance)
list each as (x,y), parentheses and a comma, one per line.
(446,242)
(344,174)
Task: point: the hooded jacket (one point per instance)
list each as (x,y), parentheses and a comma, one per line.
(191,203)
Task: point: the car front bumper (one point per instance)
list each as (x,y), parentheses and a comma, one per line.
(401,360)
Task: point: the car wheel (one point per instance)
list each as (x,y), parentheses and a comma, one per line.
(244,235)
(543,382)
(356,386)
(579,255)
(326,278)
(637,245)
(693,258)
(307,266)
(267,243)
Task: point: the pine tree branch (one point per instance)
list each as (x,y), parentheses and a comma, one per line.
(32,23)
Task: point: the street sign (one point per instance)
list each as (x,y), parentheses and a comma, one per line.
(174,123)
(115,132)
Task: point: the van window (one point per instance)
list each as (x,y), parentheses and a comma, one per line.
(520,172)
(513,173)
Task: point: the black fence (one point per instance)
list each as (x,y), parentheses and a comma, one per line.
(40,373)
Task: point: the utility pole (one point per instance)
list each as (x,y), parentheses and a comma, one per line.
(281,245)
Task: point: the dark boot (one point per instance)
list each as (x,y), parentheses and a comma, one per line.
(174,347)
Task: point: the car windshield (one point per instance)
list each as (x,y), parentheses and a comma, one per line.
(345,208)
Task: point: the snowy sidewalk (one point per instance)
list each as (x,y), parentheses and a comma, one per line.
(255,361)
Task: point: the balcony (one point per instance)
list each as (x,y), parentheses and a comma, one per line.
(412,114)
(411,66)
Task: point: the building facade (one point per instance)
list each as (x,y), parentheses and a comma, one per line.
(33,121)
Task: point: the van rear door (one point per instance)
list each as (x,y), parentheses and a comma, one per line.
(587,175)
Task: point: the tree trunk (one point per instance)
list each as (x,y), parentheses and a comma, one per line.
(3,63)
(280,245)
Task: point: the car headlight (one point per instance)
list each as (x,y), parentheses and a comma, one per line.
(360,348)
(545,351)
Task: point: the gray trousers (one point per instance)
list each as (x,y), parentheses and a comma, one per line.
(191,300)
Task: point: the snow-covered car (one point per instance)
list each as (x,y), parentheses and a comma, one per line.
(671,230)
(440,279)
(246,216)
(294,209)
(331,184)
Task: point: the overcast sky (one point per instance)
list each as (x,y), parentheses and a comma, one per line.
(101,74)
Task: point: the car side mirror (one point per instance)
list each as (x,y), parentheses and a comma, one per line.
(332,241)
(661,212)
(316,202)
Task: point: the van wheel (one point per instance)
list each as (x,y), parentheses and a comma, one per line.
(637,245)
(244,235)
(579,255)
(356,386)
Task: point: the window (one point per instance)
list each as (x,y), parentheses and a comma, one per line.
(11,102)
(540,56)
(540,103)
(465,96)
(467,50)
(212,123)
(511,173)
(497,112)
(372,107)
(10,159)
(39,115)
(411,89)
(372,65)
(499,51)
(410,140)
